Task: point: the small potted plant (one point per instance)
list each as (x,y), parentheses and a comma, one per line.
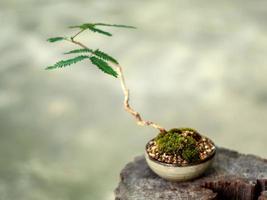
(177,154)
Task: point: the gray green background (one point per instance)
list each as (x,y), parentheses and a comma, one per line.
(64,135)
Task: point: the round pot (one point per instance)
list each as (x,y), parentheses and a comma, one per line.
(174,172)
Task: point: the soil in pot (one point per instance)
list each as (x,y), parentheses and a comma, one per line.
(182,147)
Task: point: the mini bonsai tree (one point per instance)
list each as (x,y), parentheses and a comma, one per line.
(177,146)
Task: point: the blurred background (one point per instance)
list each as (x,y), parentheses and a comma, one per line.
(64,134)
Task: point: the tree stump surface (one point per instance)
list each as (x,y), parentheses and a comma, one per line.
(232,176)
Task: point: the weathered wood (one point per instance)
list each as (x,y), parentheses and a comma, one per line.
(232,176)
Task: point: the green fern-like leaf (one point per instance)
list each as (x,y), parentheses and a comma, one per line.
(97,52)
(82,26)
(105,56)
(97,30)
(55,39)
(114,25)
(80,51)
(102,65)
(92,27)
(64,63)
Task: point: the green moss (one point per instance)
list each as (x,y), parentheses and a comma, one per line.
(170,142)
(173,142)
(190,154)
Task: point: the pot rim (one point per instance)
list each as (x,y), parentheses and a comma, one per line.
(211,155)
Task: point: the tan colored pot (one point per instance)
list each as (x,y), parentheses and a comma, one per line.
(175,172)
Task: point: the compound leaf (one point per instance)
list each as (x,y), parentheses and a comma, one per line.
(92,28)
(80,51)
(114,25)
(96,30)
(103,66)
(55,39)
(105,56)
(64,63)
(82,26)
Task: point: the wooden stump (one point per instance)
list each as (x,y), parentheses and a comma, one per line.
(232,176)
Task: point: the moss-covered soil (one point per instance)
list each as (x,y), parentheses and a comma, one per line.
(181,146)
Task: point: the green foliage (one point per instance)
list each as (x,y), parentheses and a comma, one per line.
(97,53)
(102,65)
(105,56)
(114,25)
(190,151)
(80,51)
(190,154)
(82,26)
(97,30)
(93,27)
(169,143)
(97,57)
(55,39)
(173,142)
(64,63)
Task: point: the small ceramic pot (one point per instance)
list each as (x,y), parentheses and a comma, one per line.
(174,172)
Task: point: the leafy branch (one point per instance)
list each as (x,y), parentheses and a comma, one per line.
(64,63)
(55,39)
(105,56)
(102,65)
(80,51)
(102,61)
(97,61)
(97,52)
(97,57)
(94,27)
